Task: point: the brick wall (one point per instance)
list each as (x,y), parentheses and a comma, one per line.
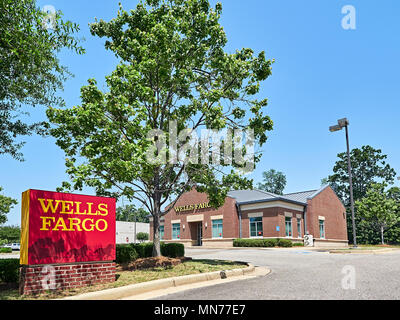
(38,279)
(326,204)
(228,210)
(272,217)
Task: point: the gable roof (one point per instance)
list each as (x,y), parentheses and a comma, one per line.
(254,196)
(250,195)
(300,196)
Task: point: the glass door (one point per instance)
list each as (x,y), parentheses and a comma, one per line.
(200,234)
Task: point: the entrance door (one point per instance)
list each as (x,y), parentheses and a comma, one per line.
(200,234)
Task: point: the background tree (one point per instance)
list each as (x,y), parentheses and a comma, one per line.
(378,209)
(6,204)
(173,67)
(128,213)
(30,72)
(9,234)
(273,181)
(368,167)
(142,236)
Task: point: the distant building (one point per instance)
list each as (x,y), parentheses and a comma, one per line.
(125,231)
(256,214)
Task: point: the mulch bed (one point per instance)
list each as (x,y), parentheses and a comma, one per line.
(152,263)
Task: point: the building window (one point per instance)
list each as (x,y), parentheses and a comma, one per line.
(288,225)
(161,232)
(176,231)
(256,227)
(322,229)
(217,229)
(299,228)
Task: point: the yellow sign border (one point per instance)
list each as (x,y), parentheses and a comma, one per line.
(23,260)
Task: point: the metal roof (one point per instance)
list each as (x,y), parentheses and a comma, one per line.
(300,196)
(252,196)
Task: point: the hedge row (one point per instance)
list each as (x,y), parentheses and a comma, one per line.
(262,243)
(130,252)
(5,250)
(9,270)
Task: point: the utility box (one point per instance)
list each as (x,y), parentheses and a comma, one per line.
(308,240)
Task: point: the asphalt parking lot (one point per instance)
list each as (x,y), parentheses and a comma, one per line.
(301,274)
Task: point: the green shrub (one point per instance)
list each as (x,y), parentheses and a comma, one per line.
(139,249)
(9,270)
(262,243)
(252,243)
(173,250)
(270,242)
(5,250)
(142,236)
(298,244)
(284,243)
(144,250)
(125,253)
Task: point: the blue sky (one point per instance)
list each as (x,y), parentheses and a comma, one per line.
(322,73)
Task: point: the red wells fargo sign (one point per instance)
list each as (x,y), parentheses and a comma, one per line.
(64,228)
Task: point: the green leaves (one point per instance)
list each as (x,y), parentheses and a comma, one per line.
(6,204)
(30,72)
(273,181)
(173,66)
(378,209)
(368,166)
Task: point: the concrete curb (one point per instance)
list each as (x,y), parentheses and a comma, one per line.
(355,251)
(265,248)
(139,288)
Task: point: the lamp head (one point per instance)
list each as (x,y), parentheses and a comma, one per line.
(343,122)
(335,128)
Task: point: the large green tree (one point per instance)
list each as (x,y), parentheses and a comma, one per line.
(173,68)
(378,209)
(30,72)
(10,234)
(130,213)
(273,181)
(369,166)
(6,204)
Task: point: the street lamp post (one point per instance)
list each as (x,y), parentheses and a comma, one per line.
(344,123)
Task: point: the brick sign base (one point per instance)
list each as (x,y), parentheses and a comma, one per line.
(45,278)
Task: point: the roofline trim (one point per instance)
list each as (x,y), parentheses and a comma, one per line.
(318,192)
(274,199)
(313,190)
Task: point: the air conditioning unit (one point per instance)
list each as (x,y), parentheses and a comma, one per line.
(308,240)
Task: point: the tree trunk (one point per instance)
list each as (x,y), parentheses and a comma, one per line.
(382,239)
(156,218)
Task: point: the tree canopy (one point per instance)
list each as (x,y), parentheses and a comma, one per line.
(273,181)
(130,213)
(369,167)
(173,69)
(30,72)
(6,204)
(10,234)
(379,209)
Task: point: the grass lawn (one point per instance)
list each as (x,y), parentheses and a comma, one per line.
(369,247)
(131,277)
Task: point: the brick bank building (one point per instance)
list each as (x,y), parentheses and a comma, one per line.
(256,214)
